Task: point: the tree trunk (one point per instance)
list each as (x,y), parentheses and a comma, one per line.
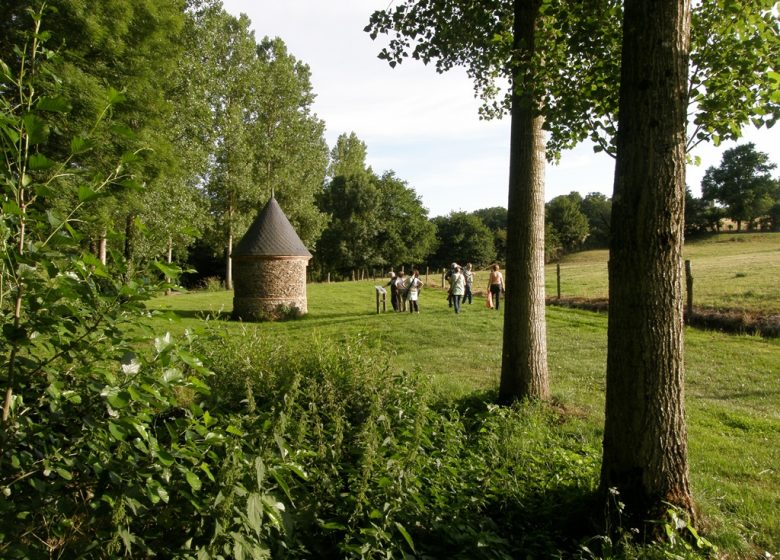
(102,247)
(524,358)
(169,260)
(229,261)
(645,435)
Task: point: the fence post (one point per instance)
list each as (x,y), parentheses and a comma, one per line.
(558,276)
(689,290)
(381,295)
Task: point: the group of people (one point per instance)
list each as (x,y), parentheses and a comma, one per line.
(405,290)
(461,280)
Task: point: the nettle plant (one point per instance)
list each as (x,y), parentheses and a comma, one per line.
(106,449)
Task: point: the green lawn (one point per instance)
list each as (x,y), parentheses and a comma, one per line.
(733,382)
(730,271)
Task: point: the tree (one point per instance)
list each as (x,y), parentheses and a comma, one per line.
(496,220)
(290,153)
(348,156)
(597,208)
(349,241)
(700,215)
(374,221)
(462,238)
(405,235)
(645,438)
(566,217)
(743,184)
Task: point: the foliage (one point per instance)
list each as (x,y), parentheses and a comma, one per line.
(495,219)
(389,472)
(462,238)
(743,184)
(701,215)
(374,220)
(105,450)
(565,216)
(597,208)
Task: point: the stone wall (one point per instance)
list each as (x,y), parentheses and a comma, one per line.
(268,288)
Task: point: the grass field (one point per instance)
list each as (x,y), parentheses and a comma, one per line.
(733,383)
(730,271)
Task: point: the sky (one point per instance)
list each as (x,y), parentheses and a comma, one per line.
(422,125)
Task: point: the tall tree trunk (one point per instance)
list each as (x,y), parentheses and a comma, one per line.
(524,358)
(645,435)
(169,260)
(229,261)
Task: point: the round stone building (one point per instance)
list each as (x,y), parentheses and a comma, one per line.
(269,269)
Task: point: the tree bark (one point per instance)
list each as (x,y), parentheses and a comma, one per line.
(102,246)
(524,371)
(645,435)
(229,261)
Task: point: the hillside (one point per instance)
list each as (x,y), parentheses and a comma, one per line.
(736,279)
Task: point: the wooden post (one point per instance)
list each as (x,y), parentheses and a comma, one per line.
(689,290)
(442,278)
(426,275)
(558,276)
(381,296)
(328,277)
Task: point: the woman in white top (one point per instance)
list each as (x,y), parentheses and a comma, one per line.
(413,291)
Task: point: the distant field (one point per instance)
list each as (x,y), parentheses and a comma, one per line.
(730,271)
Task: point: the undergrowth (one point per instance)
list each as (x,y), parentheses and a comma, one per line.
(386,471)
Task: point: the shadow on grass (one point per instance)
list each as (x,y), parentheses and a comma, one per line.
(554,523)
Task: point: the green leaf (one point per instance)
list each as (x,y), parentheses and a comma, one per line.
(165,458)
(171,271)
(40,161)
(193,480)
(406,535)
(205,468)
(79,145)
(64,474)
(117,431)
(115,96)
(11,207)
(54,104)
(119,400)
(86,194)
(123,130)
(235,431)
(36,128)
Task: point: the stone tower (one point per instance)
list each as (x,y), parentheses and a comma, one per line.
(269,269)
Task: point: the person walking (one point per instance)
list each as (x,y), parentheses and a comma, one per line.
(496,285)
(469,276)
(457,288)
(413,291)
(447,277)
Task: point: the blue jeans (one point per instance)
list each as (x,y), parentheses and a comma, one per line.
(456,301)
(468,295)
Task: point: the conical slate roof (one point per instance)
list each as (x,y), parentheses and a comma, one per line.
(271,235)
